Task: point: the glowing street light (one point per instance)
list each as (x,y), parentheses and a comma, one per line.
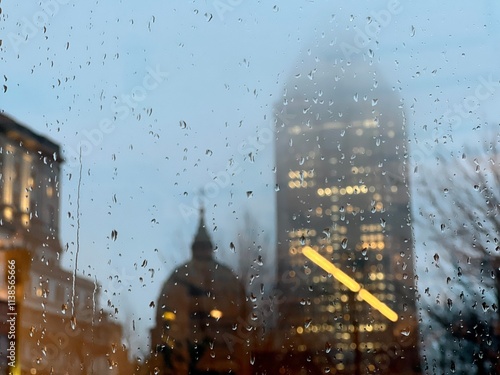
(378,305)
(350,283)
(329,267)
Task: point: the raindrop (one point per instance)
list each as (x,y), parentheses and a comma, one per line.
(412,32)
(302,240)
(249,194)
(260,262)
(405,332)
(276,187)
(328,347)
(114,235)
(183,124)
(355,97)
(232,247)
(382,223)
(344,243)
(307,323)
(374,102)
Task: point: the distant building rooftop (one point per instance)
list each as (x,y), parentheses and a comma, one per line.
(35,142)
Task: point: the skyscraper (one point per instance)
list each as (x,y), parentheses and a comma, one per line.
(340,160)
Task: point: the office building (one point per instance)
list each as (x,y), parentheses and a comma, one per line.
(341,167)
(58,324)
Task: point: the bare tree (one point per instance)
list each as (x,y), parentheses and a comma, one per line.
(255,268)
(461,218)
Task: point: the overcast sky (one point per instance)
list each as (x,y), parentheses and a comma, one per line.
(161,98)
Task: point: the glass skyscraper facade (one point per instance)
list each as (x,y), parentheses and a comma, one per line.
(341,166)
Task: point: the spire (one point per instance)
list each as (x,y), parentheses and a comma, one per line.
(202,245)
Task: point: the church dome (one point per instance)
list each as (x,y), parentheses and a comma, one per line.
(202,314)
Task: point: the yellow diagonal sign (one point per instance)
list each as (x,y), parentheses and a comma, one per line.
(350,283)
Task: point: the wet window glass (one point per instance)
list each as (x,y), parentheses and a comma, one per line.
(229,187)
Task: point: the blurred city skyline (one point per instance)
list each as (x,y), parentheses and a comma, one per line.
(206,82)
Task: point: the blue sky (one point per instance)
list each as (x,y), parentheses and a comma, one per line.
(220,72)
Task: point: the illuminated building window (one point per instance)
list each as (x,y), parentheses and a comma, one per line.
(8,213)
